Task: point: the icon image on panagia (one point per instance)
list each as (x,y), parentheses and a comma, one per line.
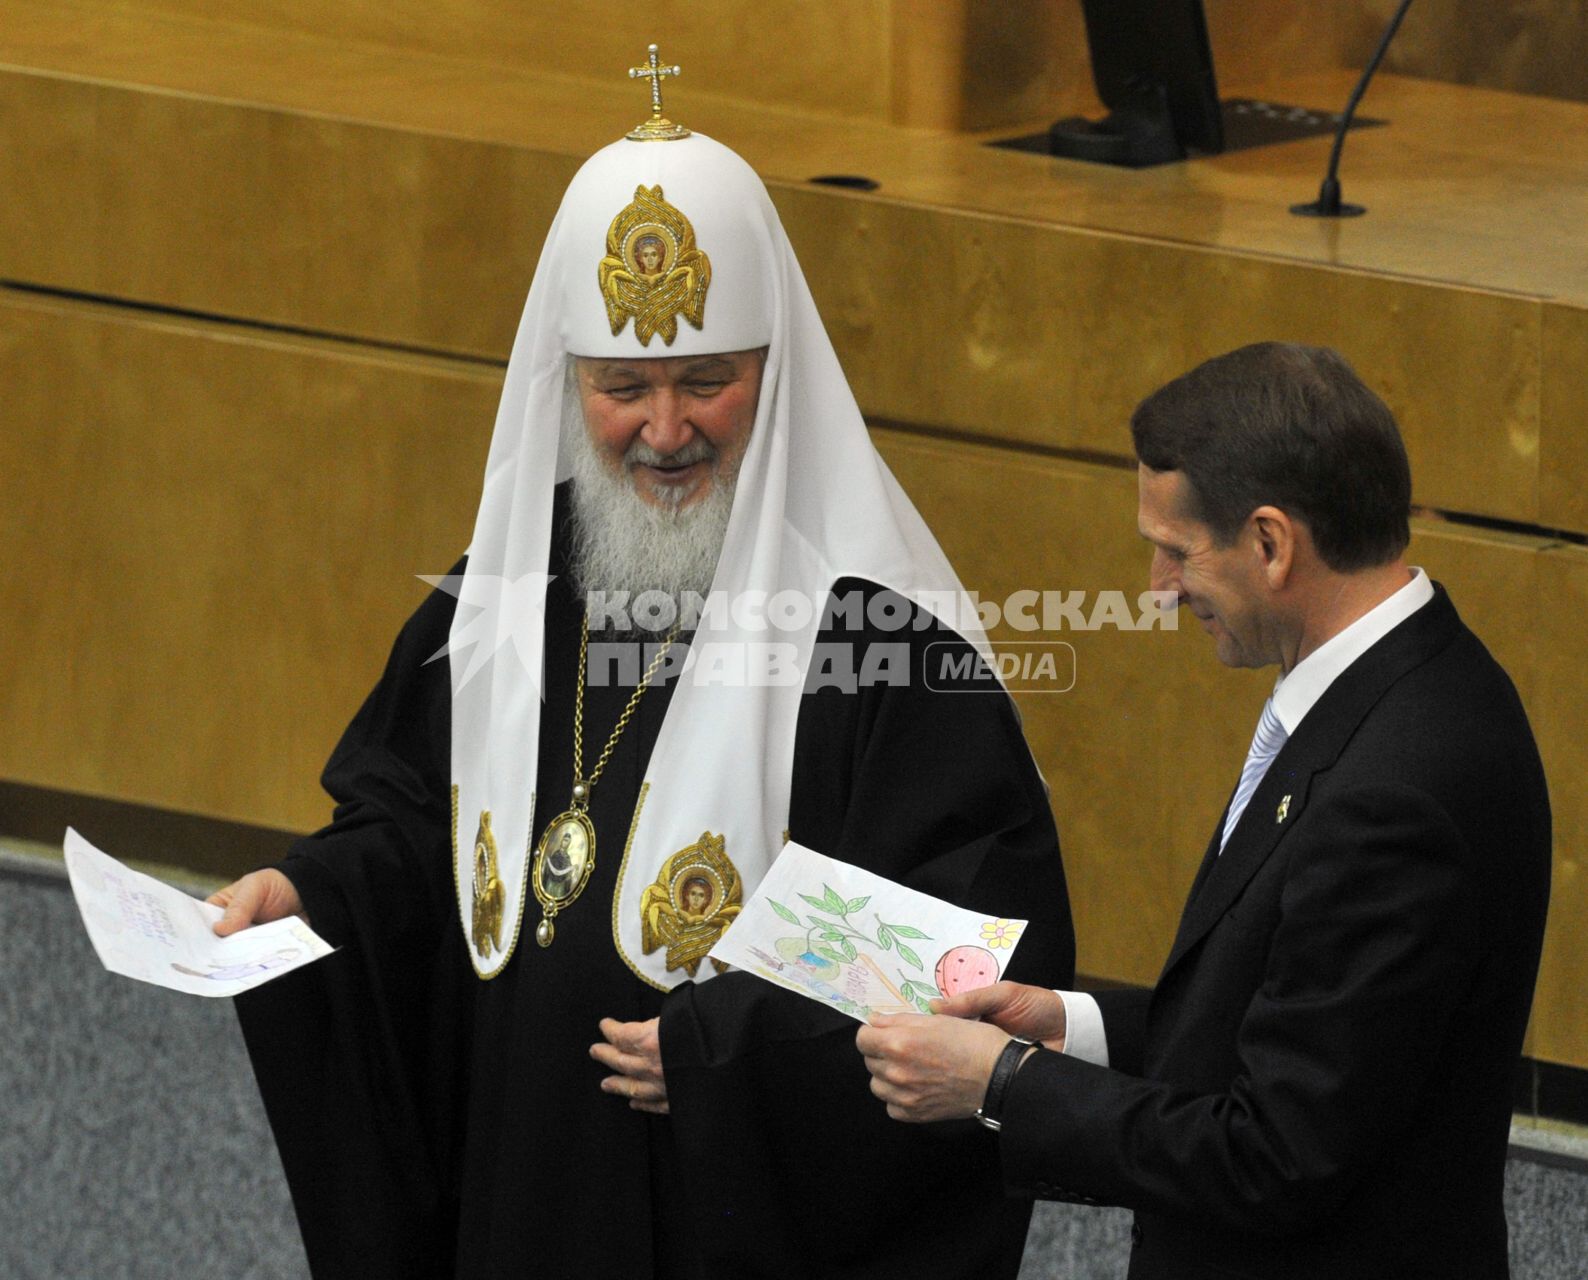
(862,944)
(563,866)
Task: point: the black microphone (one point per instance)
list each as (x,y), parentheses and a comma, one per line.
(1328,205)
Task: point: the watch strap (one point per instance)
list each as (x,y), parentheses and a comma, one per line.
(990,1113)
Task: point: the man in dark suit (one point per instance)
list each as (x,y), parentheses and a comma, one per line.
(1319,1085)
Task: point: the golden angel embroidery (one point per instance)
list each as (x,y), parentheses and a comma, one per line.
(695,897)
(488,893)
(652,270)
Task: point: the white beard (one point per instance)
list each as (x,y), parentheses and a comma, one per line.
(621,542)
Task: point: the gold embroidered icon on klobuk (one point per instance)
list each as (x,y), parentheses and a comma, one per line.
(489,896)
(653,271)
(696,896)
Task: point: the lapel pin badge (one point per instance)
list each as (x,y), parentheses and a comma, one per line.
(1284,810)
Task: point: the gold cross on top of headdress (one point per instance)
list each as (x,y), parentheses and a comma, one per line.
(657,128)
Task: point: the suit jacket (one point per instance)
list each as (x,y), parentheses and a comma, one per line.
(1320,1083)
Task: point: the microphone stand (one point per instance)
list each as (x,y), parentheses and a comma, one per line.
(1328,204)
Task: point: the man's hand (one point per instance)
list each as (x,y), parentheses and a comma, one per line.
(929,1068)
(634,1051)
(1032,1013)
(258,898)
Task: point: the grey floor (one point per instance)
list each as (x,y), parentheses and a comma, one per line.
(133,1145)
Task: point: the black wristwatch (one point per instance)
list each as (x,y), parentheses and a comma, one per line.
(990,1113)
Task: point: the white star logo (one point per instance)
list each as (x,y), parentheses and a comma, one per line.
(509,610)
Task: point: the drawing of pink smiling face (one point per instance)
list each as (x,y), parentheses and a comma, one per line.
(966,969)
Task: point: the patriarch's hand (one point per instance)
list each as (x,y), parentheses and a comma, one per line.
(258,898)
(633,1050)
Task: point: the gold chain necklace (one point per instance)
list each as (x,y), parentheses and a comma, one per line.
(565,856)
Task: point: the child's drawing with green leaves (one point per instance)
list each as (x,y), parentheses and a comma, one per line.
(871,963)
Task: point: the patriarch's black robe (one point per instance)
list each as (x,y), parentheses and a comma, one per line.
(432,1124)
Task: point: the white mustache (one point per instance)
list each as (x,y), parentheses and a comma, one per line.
(640,454)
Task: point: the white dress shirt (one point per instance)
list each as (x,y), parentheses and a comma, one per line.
(1295,694)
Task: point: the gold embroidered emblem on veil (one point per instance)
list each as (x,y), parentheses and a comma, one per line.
(653,271)
(489,895)
(695,897)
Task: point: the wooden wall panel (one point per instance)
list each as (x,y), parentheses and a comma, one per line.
(321,224)
(1560,710)
(814,57)
(212,539)
(950,64)
(1492,578)
(1509,169)
(966,64)
(1024,333)
(942,64)
(953,64)
(1538,47)
(1563,443)
(1032,330)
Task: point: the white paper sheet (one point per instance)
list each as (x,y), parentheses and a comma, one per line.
(145,929)
(861,943)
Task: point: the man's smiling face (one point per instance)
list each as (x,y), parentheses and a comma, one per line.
(1222,586)
(671,425)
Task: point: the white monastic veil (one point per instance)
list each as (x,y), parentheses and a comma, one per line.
(814,503)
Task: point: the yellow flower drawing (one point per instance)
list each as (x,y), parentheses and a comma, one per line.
(1000,933)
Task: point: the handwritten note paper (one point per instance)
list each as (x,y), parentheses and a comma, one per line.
(861,943)
(145,929)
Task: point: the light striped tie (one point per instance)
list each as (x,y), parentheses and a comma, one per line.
(1266,742)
